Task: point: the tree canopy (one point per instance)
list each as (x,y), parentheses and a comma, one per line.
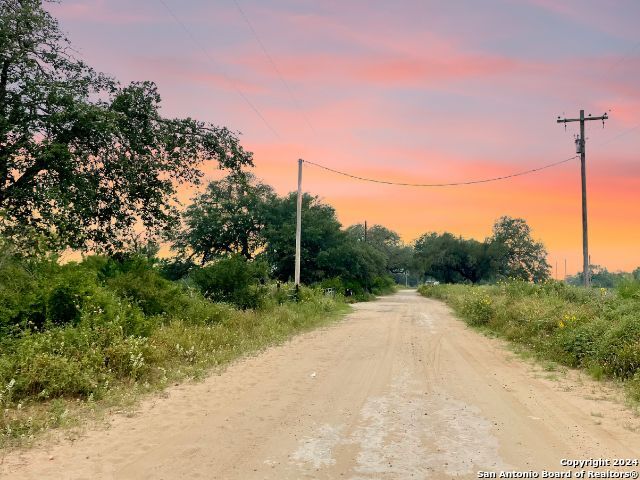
(522,257)
(452,259)
(396,255)
(320,231)
(228,218)
(83,160)
(510,252)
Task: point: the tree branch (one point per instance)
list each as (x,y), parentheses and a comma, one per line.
(4,76)
(28,175)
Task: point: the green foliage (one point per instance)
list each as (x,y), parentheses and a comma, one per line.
(320,232)
(522,257)
(595,329)
(509,253)
(397,257)
(629,289)
(66,298)
(330,256)
(39,294)
(175,268)
(453,259)
(355,291)
(82,159)
(357,262)
(233,280)
(601,277)
(226,219)
(80,330)
(478,307)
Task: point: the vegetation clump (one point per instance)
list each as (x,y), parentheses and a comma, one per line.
(79,334)
(594,329)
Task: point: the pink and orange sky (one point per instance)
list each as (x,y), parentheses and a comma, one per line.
(409,91)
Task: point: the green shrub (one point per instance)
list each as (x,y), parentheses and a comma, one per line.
(175,268)
(152,293)
(433,291)
(382,285)
(629,289)
(68,291)
(478,307)
(233,280)
(579,345)
(22,304)
(624,362)
(76,331)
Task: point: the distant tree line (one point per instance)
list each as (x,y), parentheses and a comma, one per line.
(510,252)
(603,278)
(240,215)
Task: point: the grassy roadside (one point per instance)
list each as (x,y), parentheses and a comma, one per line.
(595,330)
(66,375)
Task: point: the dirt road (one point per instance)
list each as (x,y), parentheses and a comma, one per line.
(398,389)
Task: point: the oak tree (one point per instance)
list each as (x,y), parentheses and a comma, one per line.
(85,161)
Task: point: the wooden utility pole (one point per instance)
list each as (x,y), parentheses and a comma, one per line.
(298,224)
(365,231)
(580,148)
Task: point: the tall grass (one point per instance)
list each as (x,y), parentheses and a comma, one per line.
(87,335)
(597,330)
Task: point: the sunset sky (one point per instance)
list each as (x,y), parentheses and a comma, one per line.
(408,91)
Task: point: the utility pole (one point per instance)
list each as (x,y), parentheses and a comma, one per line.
(580,148)
(298,224)
(365,231)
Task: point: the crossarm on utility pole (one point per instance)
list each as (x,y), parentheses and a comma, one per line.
(568,120)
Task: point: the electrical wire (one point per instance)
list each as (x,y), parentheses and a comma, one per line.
(273,64)
(452,184)
(624,57)
(212,61)
(621,134)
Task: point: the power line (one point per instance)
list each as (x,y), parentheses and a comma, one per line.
(273,64)
(213,62)
(624,57)
(452,184)
(621,134)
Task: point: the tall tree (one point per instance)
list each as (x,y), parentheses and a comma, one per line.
(452,259)
(228,218)
(353,262)
(396,256)
(320,232)
(82,159)
(522,257)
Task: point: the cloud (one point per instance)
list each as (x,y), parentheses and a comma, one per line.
(195,72)
(389,71)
